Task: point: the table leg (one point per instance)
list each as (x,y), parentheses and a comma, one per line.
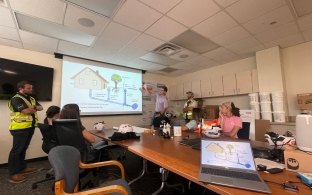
(144,168)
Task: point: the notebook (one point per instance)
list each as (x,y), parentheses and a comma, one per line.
(230,163)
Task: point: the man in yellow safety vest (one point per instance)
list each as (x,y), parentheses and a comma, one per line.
(189,105)
(24,119)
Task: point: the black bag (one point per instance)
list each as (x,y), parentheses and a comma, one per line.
(117,136)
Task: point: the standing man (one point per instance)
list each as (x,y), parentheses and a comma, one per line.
(24,119)
(189,105)
(160,107)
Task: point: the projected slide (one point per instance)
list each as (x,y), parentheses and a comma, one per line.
(101,90)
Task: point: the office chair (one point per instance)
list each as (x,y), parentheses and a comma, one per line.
(244,132)
(66,161)
(48,142)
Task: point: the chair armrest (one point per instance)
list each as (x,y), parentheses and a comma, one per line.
(96,191)
(102,164)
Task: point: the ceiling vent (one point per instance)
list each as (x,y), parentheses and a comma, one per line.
(167,49)
(168,70)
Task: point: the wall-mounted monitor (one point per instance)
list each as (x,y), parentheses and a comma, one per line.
(12,72)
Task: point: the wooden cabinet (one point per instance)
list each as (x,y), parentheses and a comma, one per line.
(205,87)
(180,92)
(187,86)
(196,89)
(243,82)
(229,84)
(255,84)
(216,86)
(173,92)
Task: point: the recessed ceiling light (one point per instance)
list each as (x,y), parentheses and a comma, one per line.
(86,22)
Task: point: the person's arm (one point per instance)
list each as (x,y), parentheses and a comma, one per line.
(232,133)
(38,106)
(166,105)
(20,106)
(88,136)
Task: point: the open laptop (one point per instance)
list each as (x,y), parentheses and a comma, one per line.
(230,163)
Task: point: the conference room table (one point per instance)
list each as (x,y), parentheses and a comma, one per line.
(185,161)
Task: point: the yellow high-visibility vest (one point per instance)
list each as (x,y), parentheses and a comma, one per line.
(20,120)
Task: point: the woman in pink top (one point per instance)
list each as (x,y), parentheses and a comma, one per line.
(229,119)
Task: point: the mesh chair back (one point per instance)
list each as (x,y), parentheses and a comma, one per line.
(244,132)
(68,132)
(65,163)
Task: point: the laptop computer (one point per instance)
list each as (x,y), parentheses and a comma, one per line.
(230,163)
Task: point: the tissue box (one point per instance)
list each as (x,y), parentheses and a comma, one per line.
(297,161)
(304,101)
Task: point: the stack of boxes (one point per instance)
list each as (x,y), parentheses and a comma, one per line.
(254,104)
(265,102)
(278,106)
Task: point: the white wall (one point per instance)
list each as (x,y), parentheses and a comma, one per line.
(297,64)
(42,59)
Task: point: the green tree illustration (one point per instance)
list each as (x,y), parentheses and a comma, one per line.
(116,79)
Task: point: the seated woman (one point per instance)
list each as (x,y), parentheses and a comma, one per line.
(49,138)
(229,119)
(193,124)
(53,113)
(71,111)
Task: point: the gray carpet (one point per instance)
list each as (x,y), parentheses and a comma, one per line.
(146,185)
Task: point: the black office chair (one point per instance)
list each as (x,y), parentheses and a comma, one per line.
(244,132)
(66,161)
(48,142)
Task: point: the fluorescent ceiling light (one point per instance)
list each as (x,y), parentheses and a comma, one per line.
(192,41)
(53,30)
(103,7)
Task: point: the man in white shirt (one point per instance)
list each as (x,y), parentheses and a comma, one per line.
(189,105)
(160,107)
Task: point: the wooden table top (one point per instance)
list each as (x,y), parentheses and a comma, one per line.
(185,161)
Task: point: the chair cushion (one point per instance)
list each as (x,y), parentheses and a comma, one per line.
(120,182)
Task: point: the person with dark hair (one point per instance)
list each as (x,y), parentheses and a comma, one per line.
(161,106)
(52,113)
(229,119)
(24,119)
(71,111)
(196,118)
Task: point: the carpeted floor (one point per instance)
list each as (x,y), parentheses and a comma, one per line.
(146,185)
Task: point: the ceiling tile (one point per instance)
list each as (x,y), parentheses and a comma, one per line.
(9,33)
(146,42)
(145,65)
(74,14)
(48,10)
(159,59)
(129,53)
(225,3)
(278,32)
(219,54)
(35,39)
(10,43)
(136,15)
(201,61)
(286,41)
(247,45)
(161,5)
(305,22)
(211,27)
(39,48)
(279,16)
(232,35)
(307,35)
(183,55)
(6,18)
(245,10)
(182,65)
(184,12)
(72,48)
(162,31)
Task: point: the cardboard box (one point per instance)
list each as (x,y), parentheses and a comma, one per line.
(298,161)
(211,112)
(304,101)
(261,127)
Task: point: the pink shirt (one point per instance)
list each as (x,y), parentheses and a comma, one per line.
(230,122)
